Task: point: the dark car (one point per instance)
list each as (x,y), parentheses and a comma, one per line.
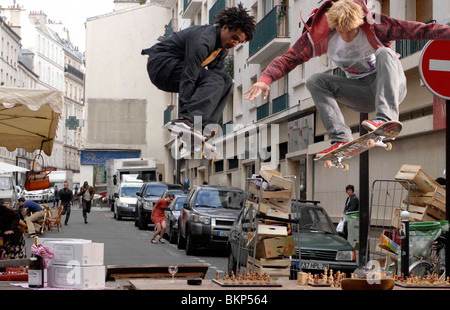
(172,214)
(321,246)
(147,197)
(207,216)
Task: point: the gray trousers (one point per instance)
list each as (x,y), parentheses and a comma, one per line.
(382,91)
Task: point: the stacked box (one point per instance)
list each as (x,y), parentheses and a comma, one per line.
(427,198)
(274,244)
(77,264)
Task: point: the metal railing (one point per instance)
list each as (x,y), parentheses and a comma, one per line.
(274,25)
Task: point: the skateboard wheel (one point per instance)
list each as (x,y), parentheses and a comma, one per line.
(371,143)
(345,167)
(328,164)
(388,146)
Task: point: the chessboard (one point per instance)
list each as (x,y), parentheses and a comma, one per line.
(246,280)
(402,284)
(430,281)
(236,284)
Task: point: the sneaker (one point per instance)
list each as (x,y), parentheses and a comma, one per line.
(334,146)
(372,125)
(32,235)
(182,123)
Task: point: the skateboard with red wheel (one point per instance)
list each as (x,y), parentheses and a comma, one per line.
(378,137)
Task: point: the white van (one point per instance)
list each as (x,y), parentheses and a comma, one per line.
(8,191)
(126,199)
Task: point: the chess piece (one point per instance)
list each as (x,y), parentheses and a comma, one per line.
(225,278)
(218,276)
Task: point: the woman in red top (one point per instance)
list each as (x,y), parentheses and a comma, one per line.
(158,217)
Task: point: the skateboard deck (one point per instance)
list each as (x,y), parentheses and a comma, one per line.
(197,142)
(387,131)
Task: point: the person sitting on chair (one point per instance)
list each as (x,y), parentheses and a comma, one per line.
(37,214)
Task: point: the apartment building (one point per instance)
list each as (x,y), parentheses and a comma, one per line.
(294,130)
(44,58)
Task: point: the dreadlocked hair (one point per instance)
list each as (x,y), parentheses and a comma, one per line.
(237,18)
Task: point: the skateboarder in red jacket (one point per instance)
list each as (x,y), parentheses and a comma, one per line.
(358,42)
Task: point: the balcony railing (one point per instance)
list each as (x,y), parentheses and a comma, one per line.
(225,128)
(263,111)
(407,47)
(216,8)
(167,115)
(273,25)
(280,103)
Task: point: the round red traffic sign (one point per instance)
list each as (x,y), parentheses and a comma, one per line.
(434,67)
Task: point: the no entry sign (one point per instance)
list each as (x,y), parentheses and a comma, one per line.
(434,67)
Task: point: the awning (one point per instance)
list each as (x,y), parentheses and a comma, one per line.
(29,118)
(6,168)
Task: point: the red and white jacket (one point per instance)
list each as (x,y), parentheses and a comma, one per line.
(381,30)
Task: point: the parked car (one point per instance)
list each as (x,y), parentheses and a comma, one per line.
(321,246)
(173,191)
(207,216)
(147,197)
(172,214)
(126,199)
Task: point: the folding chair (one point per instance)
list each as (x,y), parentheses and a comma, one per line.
(43,222)
(55,220)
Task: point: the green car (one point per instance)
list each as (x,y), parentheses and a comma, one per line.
(321,246)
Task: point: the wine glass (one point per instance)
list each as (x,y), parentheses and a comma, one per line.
(173,270)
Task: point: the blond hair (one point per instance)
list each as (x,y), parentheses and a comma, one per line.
(346,14)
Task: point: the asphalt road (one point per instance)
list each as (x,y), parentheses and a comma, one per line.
(125,244)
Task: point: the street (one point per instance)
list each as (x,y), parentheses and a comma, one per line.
(125,244)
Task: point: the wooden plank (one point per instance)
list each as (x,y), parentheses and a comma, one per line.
(155,271)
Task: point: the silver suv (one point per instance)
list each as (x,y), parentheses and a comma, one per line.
(207,216)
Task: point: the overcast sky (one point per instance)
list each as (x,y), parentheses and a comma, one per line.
(72,13)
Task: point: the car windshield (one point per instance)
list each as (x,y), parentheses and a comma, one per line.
(5,184)
(179,202)
(314,219)
(155,190)
(128,191)
(175,192)
(214,198)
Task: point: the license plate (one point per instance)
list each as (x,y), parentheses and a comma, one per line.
(313,265)
(223,233)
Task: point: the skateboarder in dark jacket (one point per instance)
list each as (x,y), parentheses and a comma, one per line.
(191,62)
(358,42)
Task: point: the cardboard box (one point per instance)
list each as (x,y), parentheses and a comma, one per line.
(76,277)
(420,181)
(86,254)
(272,267)
(275,247)
(275,178)
(267,207)
(269,231)
(280,204)
(424,199)
(283,194)
(46,241)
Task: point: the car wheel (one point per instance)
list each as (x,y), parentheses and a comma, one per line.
(181,242)
(232,264)
(141,225)
(190,245)
(172,236)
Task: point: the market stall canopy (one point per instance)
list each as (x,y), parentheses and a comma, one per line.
(7,168)
(29,118)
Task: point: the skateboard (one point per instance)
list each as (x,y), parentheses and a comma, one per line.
(198,142)
(387,131)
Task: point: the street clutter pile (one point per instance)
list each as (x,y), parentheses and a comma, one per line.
(77,264)
(427,199)
(274,239)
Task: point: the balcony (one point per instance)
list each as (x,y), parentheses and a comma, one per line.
(277,105)
(407,47)
(216,8)
(190,8)
(271,37)
(167,115)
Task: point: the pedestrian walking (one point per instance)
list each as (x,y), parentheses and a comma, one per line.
(56,197)
(87,194)
(158,217)
(66,199)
